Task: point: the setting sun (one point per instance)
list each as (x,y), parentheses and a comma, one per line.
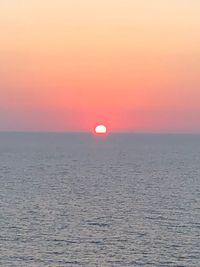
(101,129)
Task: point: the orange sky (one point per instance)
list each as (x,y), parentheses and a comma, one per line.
(66,65)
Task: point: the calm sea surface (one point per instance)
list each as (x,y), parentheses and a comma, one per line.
(78,200)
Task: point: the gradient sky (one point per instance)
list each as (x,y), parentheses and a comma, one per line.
(67,65)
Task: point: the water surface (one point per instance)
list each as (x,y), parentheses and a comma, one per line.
(77,200)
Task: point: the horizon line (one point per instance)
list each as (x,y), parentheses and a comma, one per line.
(110,133)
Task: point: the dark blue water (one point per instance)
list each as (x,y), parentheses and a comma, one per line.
(77,200)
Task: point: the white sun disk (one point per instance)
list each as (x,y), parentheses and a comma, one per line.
(100,129)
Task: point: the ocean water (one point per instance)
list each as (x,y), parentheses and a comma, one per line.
(78,200)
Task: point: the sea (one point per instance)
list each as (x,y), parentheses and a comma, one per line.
(75,199)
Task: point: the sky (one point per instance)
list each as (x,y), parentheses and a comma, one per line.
(68,65)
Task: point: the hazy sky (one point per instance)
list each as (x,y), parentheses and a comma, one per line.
(70,64)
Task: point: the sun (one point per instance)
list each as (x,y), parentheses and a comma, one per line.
(101,129)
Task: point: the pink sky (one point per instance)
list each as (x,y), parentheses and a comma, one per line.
(69,65)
